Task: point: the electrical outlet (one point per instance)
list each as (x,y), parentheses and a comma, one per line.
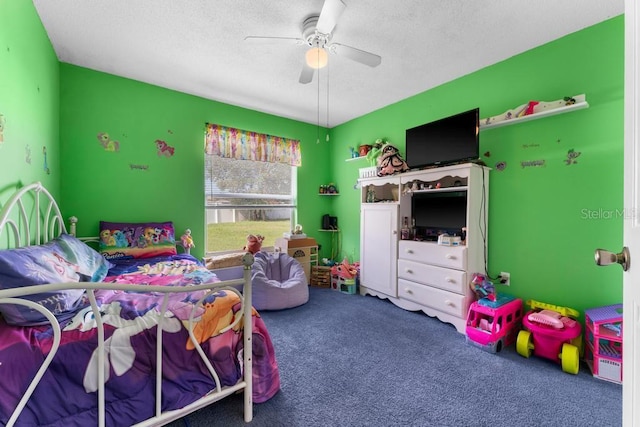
(505,279)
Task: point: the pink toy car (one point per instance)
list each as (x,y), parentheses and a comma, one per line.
(493,325)
(553,333)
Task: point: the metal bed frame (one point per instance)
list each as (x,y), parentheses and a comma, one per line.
(31,216)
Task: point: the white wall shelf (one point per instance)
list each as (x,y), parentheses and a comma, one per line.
(580,104)
(353,159)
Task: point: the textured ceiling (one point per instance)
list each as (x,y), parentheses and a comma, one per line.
(198,47)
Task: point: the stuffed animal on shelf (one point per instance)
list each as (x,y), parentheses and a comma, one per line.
(375,151)
(254,243)
(187,240)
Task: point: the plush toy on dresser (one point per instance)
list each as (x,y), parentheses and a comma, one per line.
(390,161)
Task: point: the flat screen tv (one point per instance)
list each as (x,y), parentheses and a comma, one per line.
(449,140)
(439,212)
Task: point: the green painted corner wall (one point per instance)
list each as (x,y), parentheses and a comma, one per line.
(544,222)
(135,183)
(29,101)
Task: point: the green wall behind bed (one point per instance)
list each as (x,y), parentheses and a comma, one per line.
(134,183)
(29,101)
(544,222)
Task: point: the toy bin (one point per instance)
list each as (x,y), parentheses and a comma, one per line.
(320,276)
(603,352)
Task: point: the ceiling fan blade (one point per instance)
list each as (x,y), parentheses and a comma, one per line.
(289,40)
(361,56)
(331,11)
(306,75)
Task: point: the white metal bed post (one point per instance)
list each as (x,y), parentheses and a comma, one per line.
(247,306)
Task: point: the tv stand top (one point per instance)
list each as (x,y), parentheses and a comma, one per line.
(479,162)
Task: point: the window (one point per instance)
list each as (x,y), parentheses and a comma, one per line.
(247,197)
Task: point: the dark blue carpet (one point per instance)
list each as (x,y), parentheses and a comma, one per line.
(349,360)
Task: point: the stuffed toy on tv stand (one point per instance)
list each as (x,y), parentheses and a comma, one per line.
(388,158)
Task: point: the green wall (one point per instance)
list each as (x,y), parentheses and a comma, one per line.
(29,101)
(135,183)
(544,222)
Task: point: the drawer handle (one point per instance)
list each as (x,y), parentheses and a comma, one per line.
(449,280)
(449,256)
(408,270)
(449,303)
(409,251)
(409,291)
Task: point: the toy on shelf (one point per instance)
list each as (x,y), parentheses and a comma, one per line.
(494,324)
(551,332)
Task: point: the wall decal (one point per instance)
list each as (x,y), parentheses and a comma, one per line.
(45,166)
(2,122)
(525,146)
(487,154)
(500,166)
(107,143)
(170,131)
(27,154)
(572,155)
(532,163)
(163,148)
(140,167)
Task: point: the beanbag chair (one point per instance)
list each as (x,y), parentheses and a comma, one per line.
(278,282)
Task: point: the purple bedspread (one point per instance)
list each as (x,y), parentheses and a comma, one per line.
(67,394)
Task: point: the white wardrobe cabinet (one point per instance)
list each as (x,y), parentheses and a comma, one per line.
(420,274)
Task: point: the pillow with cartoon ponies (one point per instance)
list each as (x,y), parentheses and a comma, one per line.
(125,240)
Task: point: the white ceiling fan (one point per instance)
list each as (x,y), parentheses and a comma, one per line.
(317,33)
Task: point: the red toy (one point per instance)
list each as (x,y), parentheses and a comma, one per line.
(553,333)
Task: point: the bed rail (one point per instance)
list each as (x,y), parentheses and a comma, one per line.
(33,216)
(13,296)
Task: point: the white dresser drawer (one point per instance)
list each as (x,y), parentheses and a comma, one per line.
(432,253)
(447,302)
(443,278)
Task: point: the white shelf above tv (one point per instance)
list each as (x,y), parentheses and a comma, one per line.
(580,104)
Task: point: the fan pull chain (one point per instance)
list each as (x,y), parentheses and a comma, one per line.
(318,129)
(327,138)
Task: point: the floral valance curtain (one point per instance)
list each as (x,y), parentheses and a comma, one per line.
(244,145)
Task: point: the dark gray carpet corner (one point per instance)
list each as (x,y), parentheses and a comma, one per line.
(349,360)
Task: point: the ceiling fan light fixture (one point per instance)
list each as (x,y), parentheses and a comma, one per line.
(316,58)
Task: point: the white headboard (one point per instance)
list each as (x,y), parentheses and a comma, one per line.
(31,216)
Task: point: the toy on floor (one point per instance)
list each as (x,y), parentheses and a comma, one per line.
(494,324)
(482,287)
(551,332)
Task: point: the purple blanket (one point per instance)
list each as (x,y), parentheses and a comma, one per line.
(67,394)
